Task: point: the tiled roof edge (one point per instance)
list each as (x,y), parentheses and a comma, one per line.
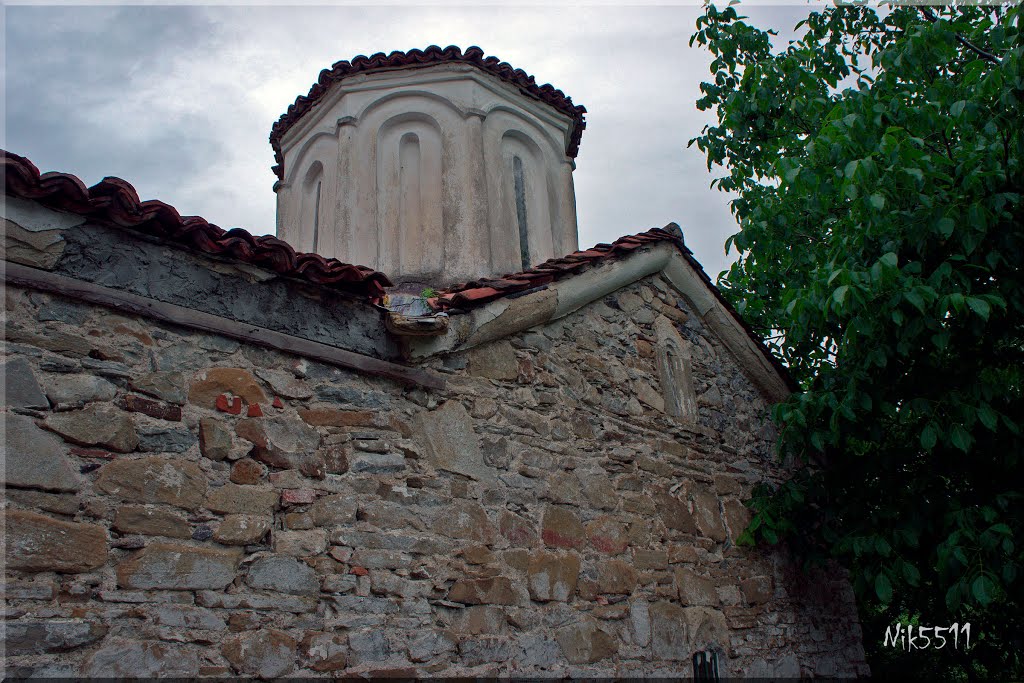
(526,83)
(475,293)
(115,201)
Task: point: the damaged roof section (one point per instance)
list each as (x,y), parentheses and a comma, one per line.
(487,309)
(115,201)
(476,292)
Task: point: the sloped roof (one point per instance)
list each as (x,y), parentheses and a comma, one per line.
(416,58)
(469,295)
(115,201)
(477,292)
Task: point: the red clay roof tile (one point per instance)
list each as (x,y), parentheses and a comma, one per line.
(428,57)
(115,201)
(477,292)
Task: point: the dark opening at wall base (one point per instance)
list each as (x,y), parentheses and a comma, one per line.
(705,666)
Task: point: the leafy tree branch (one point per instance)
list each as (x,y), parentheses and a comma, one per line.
(876,165)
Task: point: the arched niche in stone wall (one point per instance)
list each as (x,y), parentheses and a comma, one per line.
(386,229)
(526,198)
(675,371)
(526,214)
(502,118)
(410,195)
(312,194)
(308,215)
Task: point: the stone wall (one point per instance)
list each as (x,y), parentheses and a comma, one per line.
(181,504)
(128,261)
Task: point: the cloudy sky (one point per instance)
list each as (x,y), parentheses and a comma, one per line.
(179,100)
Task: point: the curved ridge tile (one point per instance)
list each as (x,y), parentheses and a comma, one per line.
(433,54)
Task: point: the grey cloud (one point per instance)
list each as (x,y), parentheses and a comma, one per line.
(64,64)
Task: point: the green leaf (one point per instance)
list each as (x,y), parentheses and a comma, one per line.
(865,399)
(817,441)
(877,200)
(915,299)
(953,597)
(960,438)
(988,417)
(883,589)
(889,260)
(929,437)
(957,108)
(851,168)
(982,590)
(910,573)
(840,294)
(1011,425)
(945,226)
(979,306)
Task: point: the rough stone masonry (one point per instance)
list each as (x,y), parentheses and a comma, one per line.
(182,504)
(223,458)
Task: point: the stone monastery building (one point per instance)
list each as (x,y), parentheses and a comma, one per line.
(230,455)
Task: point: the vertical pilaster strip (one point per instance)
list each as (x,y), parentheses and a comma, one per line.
(477,200)
(341,238)
(566,234)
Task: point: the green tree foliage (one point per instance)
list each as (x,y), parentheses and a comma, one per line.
(876,168)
